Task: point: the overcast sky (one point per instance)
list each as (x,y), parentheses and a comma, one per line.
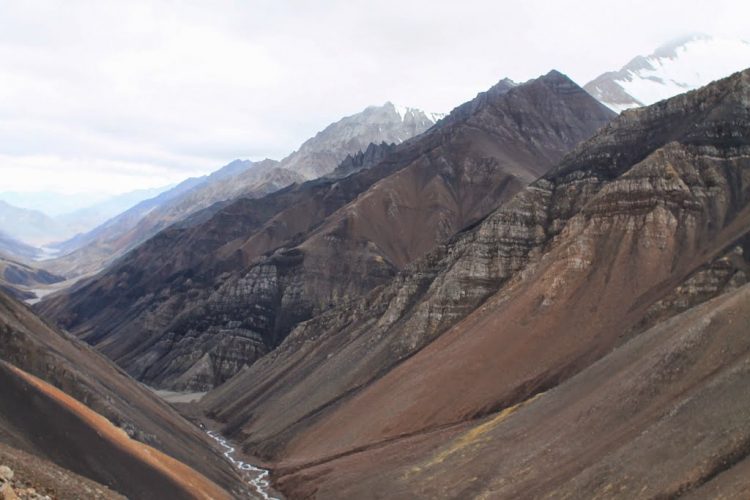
(114,96)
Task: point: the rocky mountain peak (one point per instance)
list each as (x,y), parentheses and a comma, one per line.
(388,123)
(678,66)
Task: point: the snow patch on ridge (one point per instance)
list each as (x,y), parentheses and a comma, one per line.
(403,112)
(672,69)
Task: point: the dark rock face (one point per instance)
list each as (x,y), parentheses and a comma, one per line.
(18,274)
(642,228)
(374,154)
(191,307)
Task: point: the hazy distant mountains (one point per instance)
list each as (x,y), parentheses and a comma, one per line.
(37,227)
(319,155)
(672,69)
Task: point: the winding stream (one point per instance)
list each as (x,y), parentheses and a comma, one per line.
(260,482)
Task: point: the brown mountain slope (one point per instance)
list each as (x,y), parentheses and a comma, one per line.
(647,218)
(29,344)
(51,423)
(46,478)
(214,296)
(663,416)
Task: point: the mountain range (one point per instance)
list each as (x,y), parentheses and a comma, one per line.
(587,338)
(217,291)
(531,296)
(90,252)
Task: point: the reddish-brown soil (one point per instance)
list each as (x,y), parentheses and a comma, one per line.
(51,421)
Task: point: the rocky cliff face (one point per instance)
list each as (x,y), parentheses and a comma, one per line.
(195,304)
(388,123)
(645,221)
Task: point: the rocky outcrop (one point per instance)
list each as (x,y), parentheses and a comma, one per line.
(34,478)
(374,154)
(215,294)
(320,155)
(646,220)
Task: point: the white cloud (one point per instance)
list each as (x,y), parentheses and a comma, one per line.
(117,95)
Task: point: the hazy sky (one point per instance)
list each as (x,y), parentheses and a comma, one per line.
(122,95)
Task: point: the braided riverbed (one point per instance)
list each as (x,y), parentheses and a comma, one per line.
(259,477)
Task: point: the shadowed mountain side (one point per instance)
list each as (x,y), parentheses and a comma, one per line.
(214,294)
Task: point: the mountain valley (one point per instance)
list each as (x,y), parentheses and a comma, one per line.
(543,293)
(245,275)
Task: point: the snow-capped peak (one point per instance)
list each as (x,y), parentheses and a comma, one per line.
(403,112)
(672,69)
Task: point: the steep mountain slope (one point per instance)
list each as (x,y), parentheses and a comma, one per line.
(676,67)
(374,154)
(48,479)
(649,218)
(663,416)
(47,378)
(88,443)
(208,297)
(388,123)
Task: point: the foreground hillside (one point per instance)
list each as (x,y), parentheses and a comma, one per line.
(66,404)
(587,338)
(192,306)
